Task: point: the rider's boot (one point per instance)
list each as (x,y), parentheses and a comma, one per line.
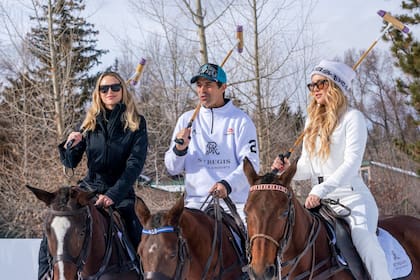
(44,260)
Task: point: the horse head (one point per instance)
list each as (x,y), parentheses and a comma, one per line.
(270,215)
(68,228)
(162,249)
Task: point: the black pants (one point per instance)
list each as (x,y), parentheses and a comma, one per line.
(132,224)
(133,229)
(44,258)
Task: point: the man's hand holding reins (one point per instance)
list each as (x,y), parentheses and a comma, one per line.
(219,190)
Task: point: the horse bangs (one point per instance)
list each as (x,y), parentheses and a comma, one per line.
(63,198)
(157,220)
(268,178)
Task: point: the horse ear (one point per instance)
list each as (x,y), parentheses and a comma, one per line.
(175,212)
(42,195)
(84,197)
(142,211)
(288,174)
(249,171)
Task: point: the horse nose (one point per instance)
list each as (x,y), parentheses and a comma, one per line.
(269,273)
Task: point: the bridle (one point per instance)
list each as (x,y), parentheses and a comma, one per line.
(281,245)
(80,260)
(288,213)
(182,257)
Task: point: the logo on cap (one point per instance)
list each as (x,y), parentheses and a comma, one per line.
(210,72)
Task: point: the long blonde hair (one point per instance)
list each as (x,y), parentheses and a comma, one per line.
(324,119)
(131,116)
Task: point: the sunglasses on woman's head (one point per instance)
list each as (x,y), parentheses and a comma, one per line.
(113,87)
(319,84)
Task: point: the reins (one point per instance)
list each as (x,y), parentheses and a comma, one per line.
(108,250)
(217,235)
(289,213)
(287,236)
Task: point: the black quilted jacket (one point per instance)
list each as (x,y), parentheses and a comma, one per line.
(115,157)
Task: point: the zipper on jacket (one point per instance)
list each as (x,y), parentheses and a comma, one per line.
(212,120)
(106,140)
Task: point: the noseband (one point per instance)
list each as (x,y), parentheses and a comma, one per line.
(79,261)
(183,254)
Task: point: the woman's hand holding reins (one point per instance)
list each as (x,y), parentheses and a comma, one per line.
(312,201)
(104,201)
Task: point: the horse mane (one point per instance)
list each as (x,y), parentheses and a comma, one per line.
(67,198)
(268,178)
(158,219)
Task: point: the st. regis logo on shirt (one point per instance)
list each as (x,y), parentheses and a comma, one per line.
(211,148)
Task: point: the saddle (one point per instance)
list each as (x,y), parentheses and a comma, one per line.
(341,243)
(117,232)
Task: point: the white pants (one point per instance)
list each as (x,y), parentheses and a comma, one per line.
(363,222)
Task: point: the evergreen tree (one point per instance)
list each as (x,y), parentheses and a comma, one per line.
(39,105)
(65,46)
(406,49)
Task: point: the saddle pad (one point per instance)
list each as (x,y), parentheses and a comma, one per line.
(399,264)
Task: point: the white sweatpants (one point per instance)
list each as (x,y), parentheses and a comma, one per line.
(363,222)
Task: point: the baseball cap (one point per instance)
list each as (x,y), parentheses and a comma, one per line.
(210,72)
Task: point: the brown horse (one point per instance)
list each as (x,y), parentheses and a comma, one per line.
(81,240)
(287,242)
(183,243)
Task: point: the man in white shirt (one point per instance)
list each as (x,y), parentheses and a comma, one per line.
(212,149)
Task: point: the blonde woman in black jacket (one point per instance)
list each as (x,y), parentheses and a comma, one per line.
(115,142)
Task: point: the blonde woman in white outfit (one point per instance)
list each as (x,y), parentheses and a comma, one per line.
(333,148)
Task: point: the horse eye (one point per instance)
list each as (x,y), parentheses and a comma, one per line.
(284,214)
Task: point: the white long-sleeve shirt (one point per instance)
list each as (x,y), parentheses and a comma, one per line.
(220,139)
(341,169)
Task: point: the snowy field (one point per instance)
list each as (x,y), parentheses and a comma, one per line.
(19,259)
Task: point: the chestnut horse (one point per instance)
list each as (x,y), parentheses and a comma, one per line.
(182,243)
(81,240)
(287,242)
